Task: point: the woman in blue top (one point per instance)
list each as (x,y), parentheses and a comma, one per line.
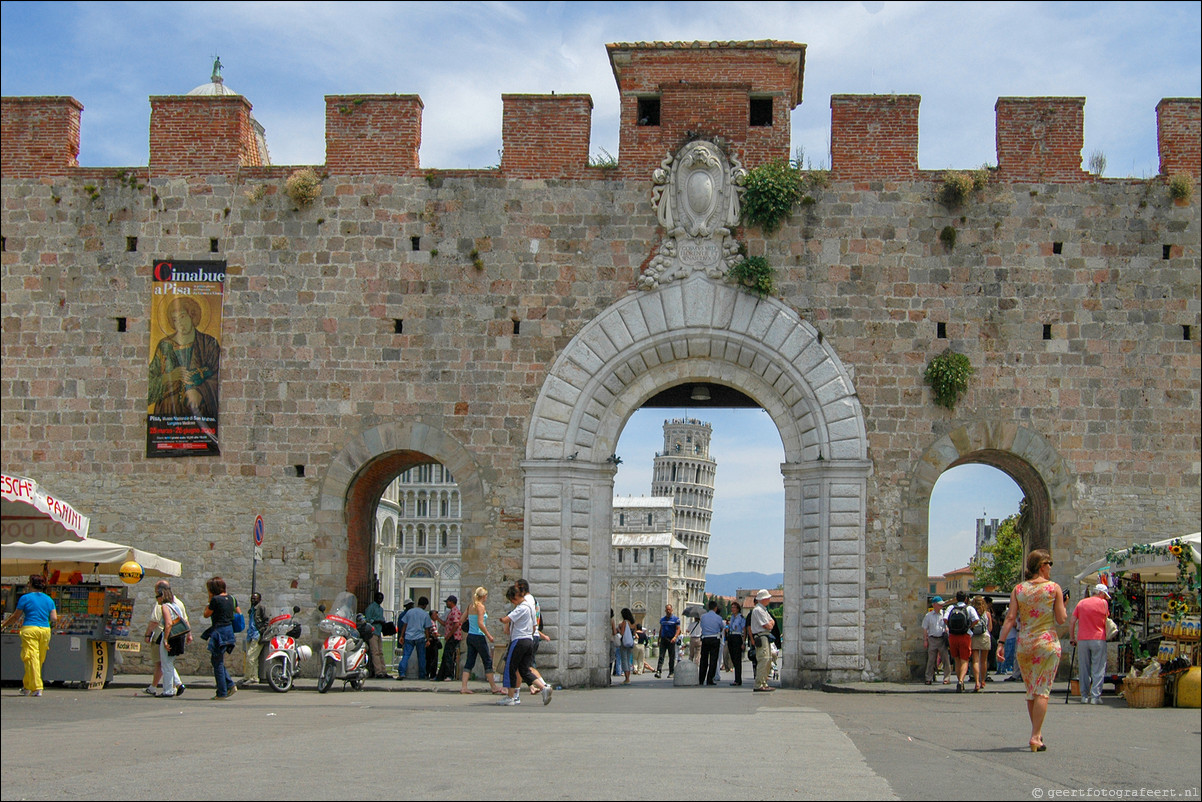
(35,612)
(478,640)
(220,611)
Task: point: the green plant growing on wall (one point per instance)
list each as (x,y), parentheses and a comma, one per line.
(948,376)
(948,237)
(303,186)
(603,159)
(770,192)
(1181,187)
(957,186)
(256,193)
(477,262)
(755,274)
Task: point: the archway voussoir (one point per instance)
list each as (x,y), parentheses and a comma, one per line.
(635,320)
(650,306)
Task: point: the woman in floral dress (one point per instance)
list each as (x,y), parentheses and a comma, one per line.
(1040,604)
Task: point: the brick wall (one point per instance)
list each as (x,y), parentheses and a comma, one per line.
(373,134)
(874,136)
(705,89)
(1040,138)
(1179,136)
(545,136)
(40,136)
(201,135)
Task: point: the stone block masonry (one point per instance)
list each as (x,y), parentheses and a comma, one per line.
(409,315)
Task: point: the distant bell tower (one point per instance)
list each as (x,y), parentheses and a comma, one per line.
(685,471)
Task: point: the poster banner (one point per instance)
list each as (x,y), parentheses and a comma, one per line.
(185,359)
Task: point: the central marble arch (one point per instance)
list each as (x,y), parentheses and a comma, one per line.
(699,330)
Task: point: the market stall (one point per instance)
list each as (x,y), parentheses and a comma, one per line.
(44,535)
(94,616)
(1155,602)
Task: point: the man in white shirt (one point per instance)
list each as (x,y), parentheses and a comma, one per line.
(761,625)
(934,633)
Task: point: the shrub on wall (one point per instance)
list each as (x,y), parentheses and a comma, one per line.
(770,192)
(948,375)
(1181,187)
(957,186)
(303,186)
(755,274)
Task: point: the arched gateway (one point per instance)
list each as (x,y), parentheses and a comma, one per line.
(699,330)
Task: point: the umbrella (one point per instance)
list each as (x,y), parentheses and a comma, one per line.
(31,514)
(1150,567)
(694,611)
(85,556)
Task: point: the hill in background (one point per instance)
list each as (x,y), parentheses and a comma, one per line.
(727,584)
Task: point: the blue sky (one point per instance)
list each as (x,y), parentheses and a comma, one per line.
(460,57)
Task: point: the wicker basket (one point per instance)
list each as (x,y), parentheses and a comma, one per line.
(1140,692)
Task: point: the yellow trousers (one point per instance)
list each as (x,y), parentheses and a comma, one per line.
(35,642)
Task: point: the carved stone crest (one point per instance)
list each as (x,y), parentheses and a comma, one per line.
(696,198)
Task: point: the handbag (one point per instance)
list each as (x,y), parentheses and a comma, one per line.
(239,619)
(177,637)
(1112,629)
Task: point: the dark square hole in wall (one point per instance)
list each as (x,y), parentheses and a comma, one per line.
(648,112)
(761,112)
(415,243)
(1166,251)
(941,331)
(3,243)
(398,326)
(131,244)
(300,471)
(517,327)
(214,245)
(121,325)
(1057,247)
(1047,331)
(1185,332)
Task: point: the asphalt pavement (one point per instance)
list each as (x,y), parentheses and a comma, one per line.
(648,740)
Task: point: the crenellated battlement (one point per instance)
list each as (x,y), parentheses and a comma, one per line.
(739,92)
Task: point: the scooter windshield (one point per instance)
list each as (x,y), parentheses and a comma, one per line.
(341,618)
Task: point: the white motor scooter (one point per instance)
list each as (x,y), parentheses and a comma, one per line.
(344,654)
(285,652)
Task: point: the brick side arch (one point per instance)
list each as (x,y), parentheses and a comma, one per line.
(354,482)
(689,331)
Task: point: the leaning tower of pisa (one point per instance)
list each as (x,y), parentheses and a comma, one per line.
(685,471)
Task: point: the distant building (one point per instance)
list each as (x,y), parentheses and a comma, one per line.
(660,544)
(647,562)
(418,537)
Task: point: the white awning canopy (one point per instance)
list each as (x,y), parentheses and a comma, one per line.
(1151,567)
(30,514)
(85,556)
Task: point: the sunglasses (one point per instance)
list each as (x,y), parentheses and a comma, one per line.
(1047,562)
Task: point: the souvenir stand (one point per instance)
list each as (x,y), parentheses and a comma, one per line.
(1155,602)
(44,535)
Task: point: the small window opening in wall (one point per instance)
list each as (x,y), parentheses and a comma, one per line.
(1047,331)
(941,331)
(214,245)
(1166,251)
(131,244)
(1185,332)
(3,243)
(415,243)
(398,326)
(121,325)
(648,111)
(761,112)
(300,471)
(517,327)
(1057,247)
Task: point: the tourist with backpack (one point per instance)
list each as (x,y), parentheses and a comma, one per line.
(960,619)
